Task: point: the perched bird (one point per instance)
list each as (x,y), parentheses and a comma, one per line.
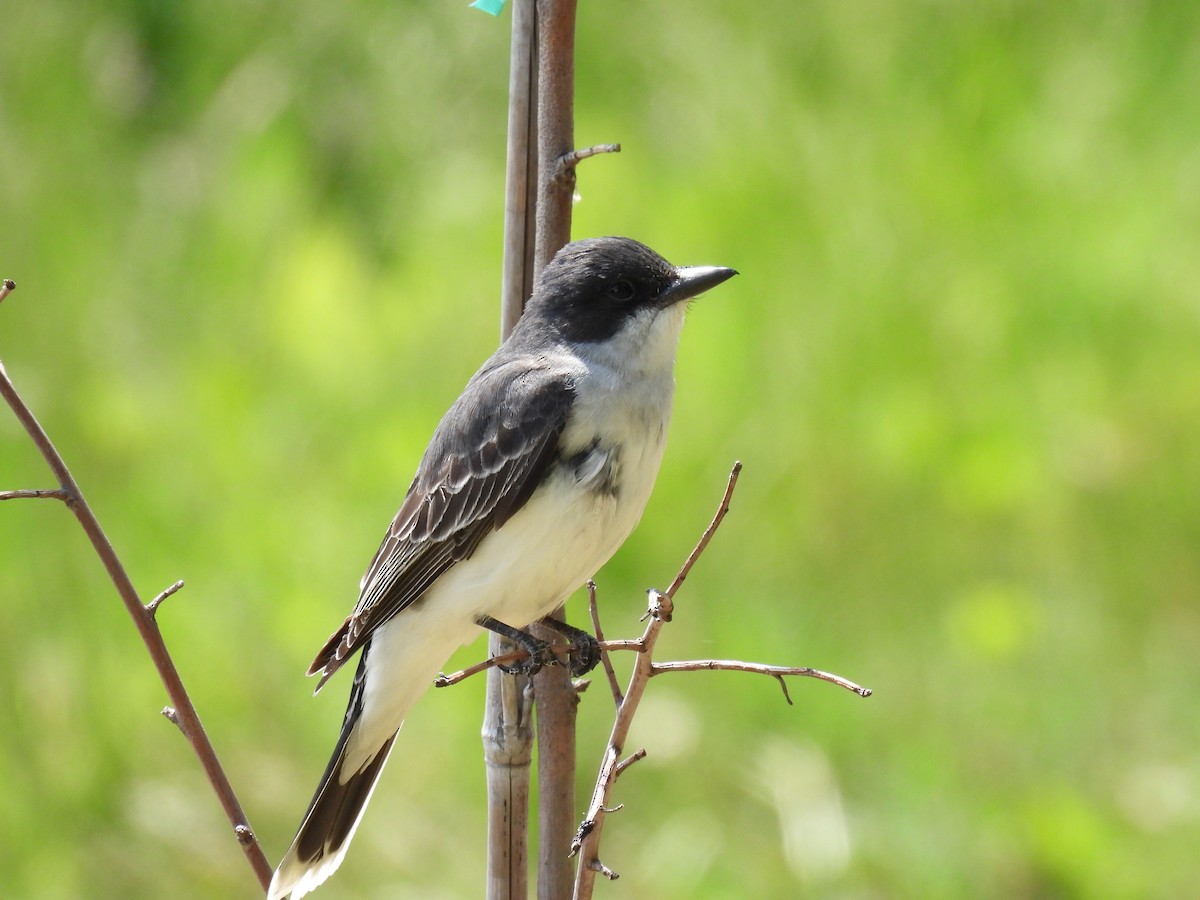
(533,479)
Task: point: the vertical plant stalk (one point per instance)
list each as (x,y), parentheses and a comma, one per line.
(521,167)
(507,717)
(555,696)
(539,191)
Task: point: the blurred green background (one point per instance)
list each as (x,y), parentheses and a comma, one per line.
(258,247)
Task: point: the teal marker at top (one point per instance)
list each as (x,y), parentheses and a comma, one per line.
(489,6)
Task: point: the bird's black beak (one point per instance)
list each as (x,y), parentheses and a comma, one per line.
(691,281)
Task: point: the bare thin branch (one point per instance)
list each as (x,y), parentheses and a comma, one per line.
(185,714)
(49,494)
(660,608)
(605,659)
(737,665)
(587,838)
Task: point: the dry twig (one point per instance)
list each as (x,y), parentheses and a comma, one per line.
(659,612)
(605,659)
(587,838)
(661,607)
(182,712)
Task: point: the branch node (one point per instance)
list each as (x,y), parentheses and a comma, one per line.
(661,606)
(6,288)
(153,605)
(172,716)
(244,835)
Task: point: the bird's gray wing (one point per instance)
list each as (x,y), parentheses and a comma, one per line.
(488,454)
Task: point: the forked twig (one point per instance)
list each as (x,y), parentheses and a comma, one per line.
(661,607)
(587,838)
(659,612)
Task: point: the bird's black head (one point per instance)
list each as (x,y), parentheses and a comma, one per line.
(593,287)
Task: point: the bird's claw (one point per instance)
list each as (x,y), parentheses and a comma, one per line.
(584,655)
(540,654)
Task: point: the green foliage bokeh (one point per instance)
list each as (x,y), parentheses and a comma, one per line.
(258,246)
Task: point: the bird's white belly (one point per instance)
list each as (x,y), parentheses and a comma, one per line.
(567,531)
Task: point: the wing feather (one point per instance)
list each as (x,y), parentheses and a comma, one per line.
(470,482)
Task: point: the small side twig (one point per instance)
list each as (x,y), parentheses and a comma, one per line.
(625,764)
(605,659)
(570,160)
(596,866)
(153,605)
(49,494)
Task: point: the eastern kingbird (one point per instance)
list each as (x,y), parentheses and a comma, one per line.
(533,479)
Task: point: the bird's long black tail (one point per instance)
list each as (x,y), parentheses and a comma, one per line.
(334,812)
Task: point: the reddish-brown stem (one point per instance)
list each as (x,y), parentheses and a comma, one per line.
(554,696)
(185,715)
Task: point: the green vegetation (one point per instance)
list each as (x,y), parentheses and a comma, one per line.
(257,248)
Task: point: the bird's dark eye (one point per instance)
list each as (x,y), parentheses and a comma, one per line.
(620,290)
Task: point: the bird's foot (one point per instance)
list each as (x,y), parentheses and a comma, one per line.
(585,649)
(540,653)
(583,657)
